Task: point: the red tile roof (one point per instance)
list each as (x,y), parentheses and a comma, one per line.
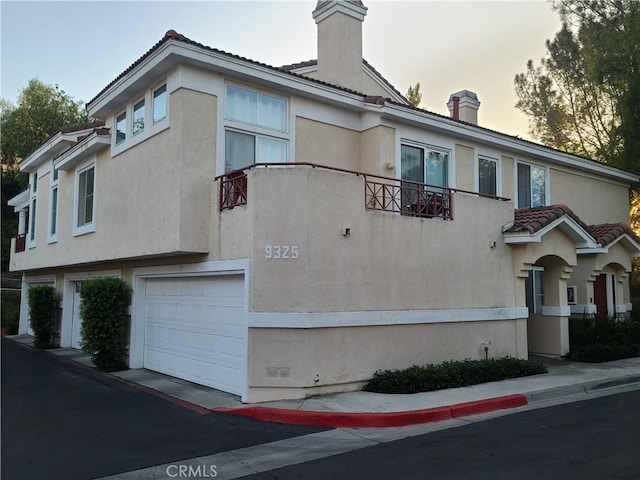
(532,220)
(82,126)
(608,232)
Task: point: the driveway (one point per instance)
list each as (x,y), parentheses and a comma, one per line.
(64,421)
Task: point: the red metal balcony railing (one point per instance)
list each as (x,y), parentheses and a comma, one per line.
(381,193)
(21,243)
(408,198)
(233,190)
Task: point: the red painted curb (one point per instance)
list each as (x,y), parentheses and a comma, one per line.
(393,419)
(488,405)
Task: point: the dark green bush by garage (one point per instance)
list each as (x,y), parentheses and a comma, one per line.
(103,308)
(42,312)
(451,374)
(603,339)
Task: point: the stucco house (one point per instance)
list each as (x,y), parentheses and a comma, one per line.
(287,231)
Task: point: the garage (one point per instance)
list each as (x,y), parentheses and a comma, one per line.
(195,329)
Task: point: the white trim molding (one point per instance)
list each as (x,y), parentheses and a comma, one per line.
(383,317)
(556,311)
(585,309)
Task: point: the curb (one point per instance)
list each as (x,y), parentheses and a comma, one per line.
(359,419)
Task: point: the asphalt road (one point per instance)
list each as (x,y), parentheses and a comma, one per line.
(595,439)
(64,421)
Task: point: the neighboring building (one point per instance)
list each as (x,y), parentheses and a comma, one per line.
(389,238)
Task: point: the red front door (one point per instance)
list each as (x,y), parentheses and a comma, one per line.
(600,294)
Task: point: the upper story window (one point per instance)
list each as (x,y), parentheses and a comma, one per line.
(256,128)
(85,200)
(121,127)
(33,211)
(138,117)
(531,185)
(160,103)
(53,206)
(488,176)
(424,165)
(145,116)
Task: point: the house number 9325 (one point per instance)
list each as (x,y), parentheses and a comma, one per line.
(281,251)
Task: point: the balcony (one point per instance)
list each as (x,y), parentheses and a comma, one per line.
(384,194)
(21,243)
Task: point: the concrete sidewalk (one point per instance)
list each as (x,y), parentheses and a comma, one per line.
(366,409)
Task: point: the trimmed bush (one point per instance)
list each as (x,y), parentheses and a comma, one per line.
(10,312)
(42,312)
(603,339)
(452,374)
(103,308)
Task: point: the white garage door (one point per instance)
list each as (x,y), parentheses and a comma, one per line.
(195,329)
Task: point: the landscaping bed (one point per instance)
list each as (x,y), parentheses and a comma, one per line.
(452,374)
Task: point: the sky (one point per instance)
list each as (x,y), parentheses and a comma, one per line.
(447,46)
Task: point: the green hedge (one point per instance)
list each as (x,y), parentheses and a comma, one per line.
(42,312)
(603,339)
(451,374)
(103,308)
(10,312)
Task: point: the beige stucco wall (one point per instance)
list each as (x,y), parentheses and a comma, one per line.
(508,178)
(387,262)
(339,359)
(465,168)
(324,144)
(377,148)
(154,198)
(594,201)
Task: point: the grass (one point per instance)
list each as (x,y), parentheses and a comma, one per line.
(452,374)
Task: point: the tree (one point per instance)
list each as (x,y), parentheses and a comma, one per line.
(413,95)
(41,111)
(584,97)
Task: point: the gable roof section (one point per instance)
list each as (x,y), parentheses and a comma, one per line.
(608,234)
(312,66)
(531,224)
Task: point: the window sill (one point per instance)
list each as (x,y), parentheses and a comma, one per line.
(79,231)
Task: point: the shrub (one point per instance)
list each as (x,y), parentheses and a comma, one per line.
(451,374)
(103,308)
(10,312)
(42,311)
(603,339)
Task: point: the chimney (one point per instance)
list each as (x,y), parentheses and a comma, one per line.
(464,106)
(340,42)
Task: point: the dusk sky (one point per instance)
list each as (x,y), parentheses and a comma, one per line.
(447,46)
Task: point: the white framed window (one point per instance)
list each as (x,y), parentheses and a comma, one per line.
(52,235)
(256,129)
(534,289)
(160,103)
(138,117)
(84,211)
(144,117)
(33,211)
(121,128)
(532,185)
(424,164)
(488,176)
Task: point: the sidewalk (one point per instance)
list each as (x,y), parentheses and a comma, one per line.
(366,409)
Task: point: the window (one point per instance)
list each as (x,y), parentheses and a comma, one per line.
(53,206)
(160,103)
(420,164)
(532,185)
(266,117)
(85,182)
(121,127)
(32,222)
(138,117)
(487,176)
(256,109)
(534,288)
